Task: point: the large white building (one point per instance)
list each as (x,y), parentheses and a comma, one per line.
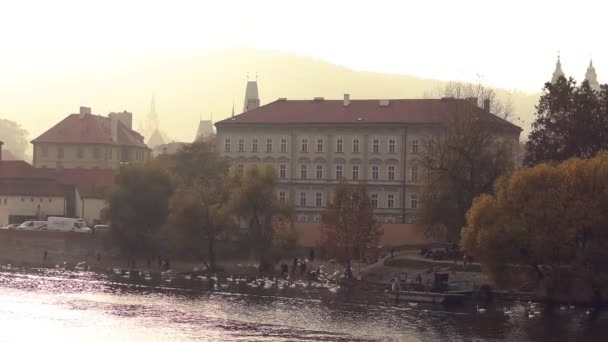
(313,144)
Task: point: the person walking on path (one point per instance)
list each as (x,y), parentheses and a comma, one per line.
(312,254)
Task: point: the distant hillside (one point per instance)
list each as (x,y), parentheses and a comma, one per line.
(190,84)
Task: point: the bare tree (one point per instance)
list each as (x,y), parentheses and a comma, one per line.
(463,159)
(503,108)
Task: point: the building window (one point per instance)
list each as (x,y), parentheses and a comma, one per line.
(431,148)
(60,152)
(302,218)
(79,152)
(283,171)
(241,145)
(375,146)
(355,172)
(110,154)
(391,173)
(356,146)
(45,151)
(283,145)
(390,201)
(374,198)
(389,219)
(375,172)
(414,173)
(414,201)
(227,145)
(339,145)
(268,145)
(429,176)
(304,171)
(339,171)
(302,199)
(319,171)
(304,145)
(240,169)
(319,145)
(415,146)
(282,197)
(391,146)
(317,218)
(254,145)
(96,153)
(319,199)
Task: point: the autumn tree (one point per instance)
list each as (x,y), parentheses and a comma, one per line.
(551,218)
(254,201)
(138,206)
(350,230)
(200,215)
(571,121)
(14,138)
(462,160)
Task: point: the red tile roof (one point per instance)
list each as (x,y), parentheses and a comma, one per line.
(21,176)
(19,169)
(364,112)
(22,187)
(91,183)
(91,129)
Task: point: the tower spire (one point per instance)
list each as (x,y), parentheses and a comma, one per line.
(558,69)
(591,76)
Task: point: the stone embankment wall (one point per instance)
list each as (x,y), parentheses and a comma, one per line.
(20,247)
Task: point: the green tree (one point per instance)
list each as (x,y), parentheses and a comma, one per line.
(552,218)
(570,122)
(254,201)
(138,206)
(350,230)
(14,138)
(200,215)
(462,161)
(198,162)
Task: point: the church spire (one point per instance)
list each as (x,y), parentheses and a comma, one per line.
(558,70)
(591,77)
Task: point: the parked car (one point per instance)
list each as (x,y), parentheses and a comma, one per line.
(101,228)
(31,225)
(67,224)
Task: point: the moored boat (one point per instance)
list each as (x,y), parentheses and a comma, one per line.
(427,297)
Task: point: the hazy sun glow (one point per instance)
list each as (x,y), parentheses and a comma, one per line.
(510,44)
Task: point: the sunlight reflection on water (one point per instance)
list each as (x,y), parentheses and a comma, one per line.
(57,305)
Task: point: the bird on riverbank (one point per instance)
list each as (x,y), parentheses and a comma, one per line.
(530,314)
(480,310)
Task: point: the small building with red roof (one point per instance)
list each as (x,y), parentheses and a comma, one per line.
(86,140)
(27,192)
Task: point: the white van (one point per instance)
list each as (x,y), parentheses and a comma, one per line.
(31,225)
(67,224)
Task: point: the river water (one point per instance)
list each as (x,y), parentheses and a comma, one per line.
(59,305)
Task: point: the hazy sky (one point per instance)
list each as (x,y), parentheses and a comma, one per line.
(56,55)
(512,44)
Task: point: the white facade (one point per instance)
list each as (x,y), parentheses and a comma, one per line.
(311,160)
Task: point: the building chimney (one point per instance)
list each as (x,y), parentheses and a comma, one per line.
(1,143)
(84,111)
(114,126)
(486,105)
(346,100)
(473,101)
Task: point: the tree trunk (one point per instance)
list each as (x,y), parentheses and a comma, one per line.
(211,249)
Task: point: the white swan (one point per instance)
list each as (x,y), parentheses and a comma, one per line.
(480,310)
